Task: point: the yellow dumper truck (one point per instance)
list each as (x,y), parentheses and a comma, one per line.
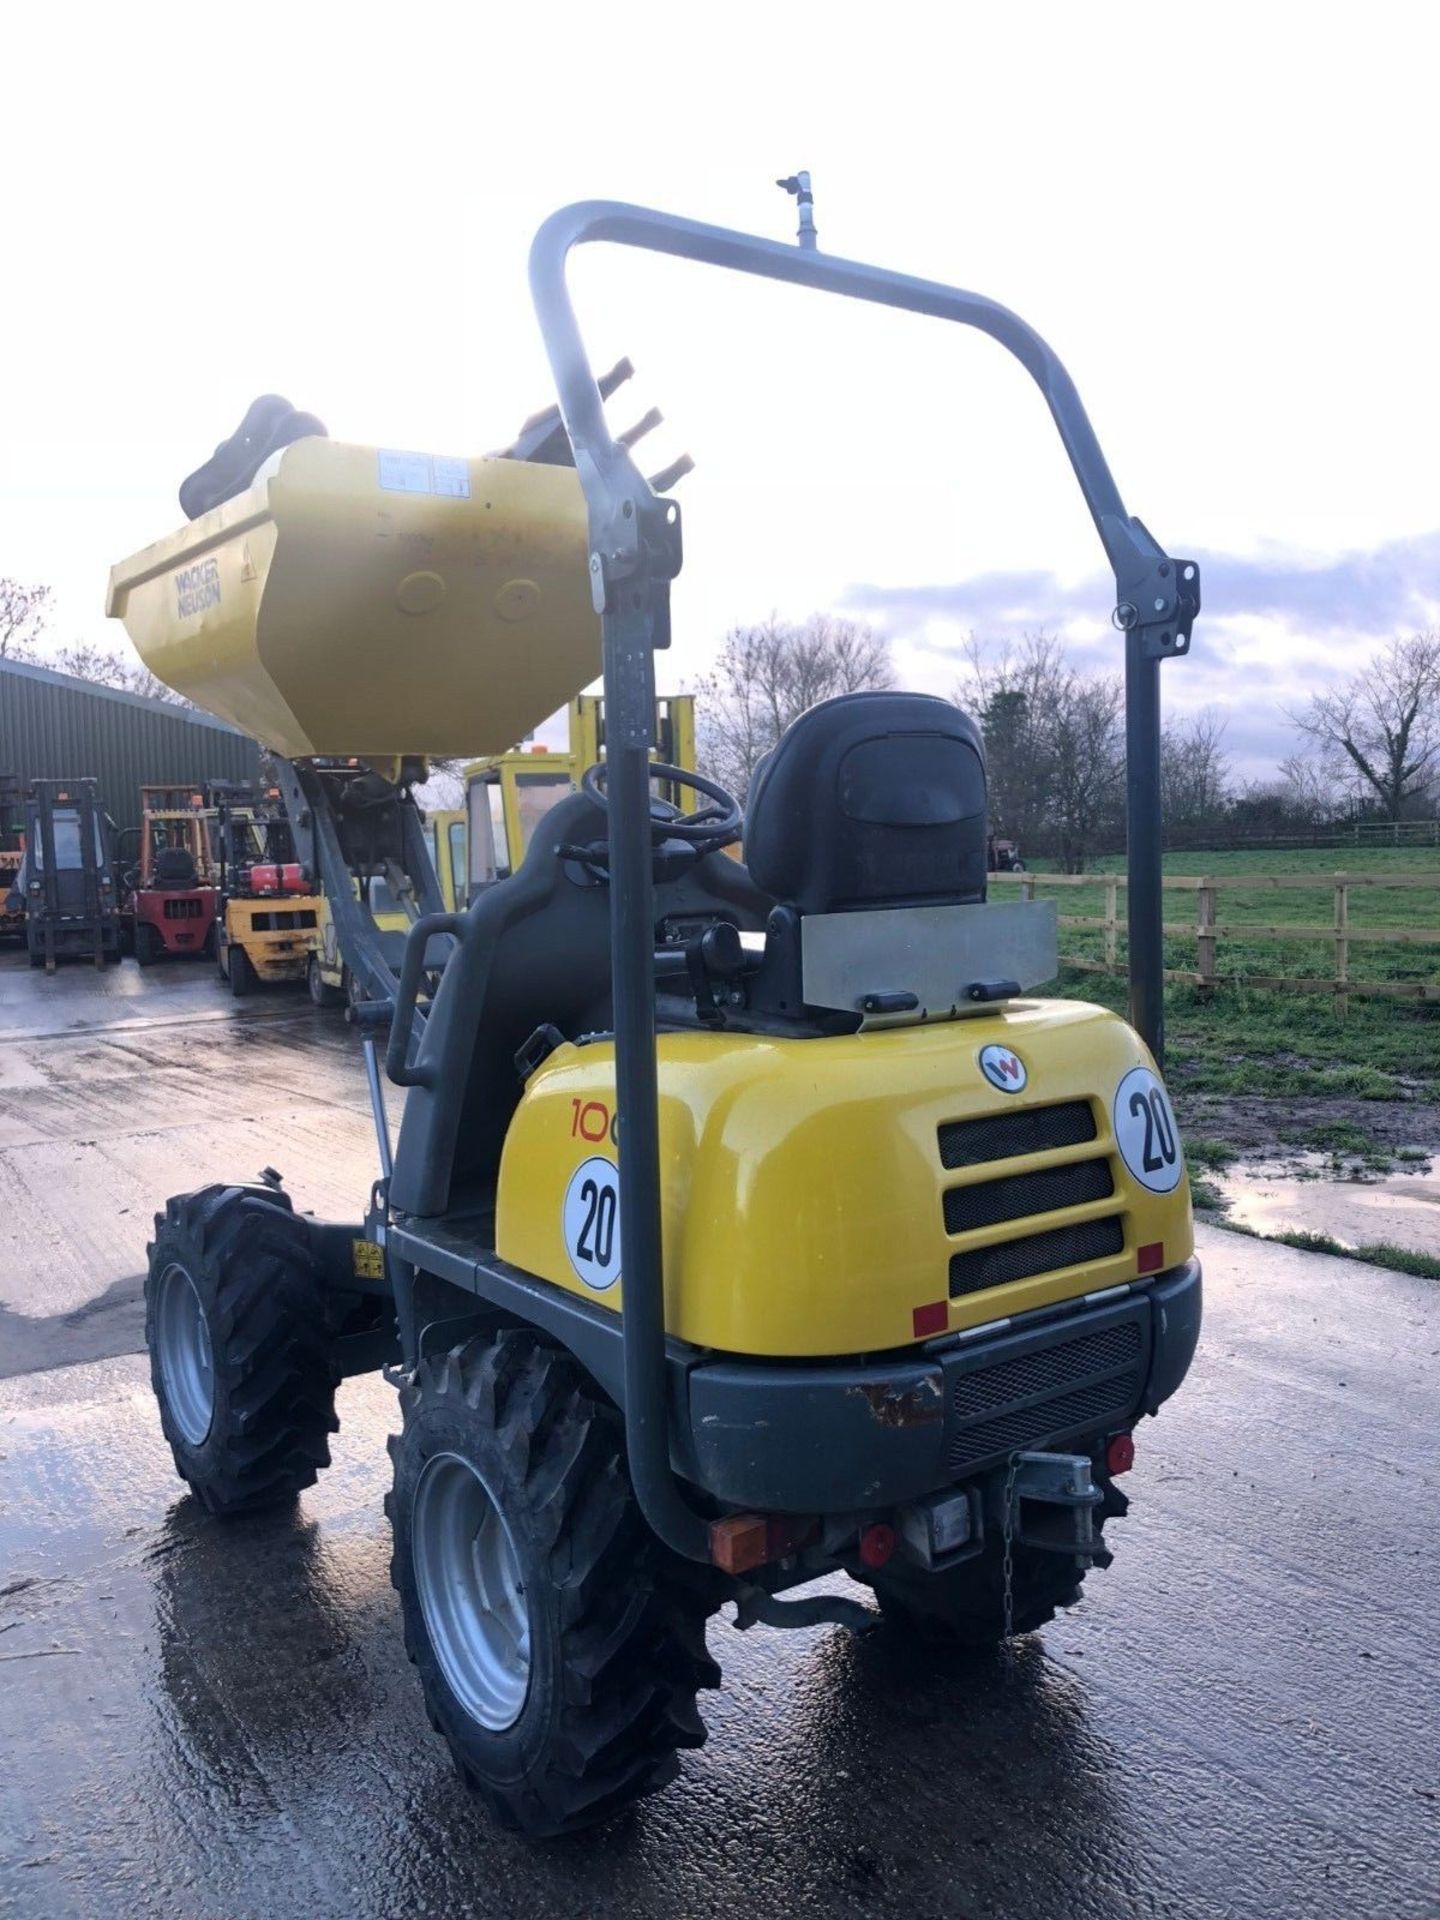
(749,1224)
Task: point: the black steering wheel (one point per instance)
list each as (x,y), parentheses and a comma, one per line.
(707,829)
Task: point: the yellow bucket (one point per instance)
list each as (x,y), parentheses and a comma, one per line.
(367,602)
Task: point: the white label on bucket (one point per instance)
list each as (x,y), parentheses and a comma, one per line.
(435,473)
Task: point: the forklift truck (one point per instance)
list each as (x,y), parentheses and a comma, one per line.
(12,858)
(906,1250)
(508,795)
(68,875)
(268,916)
(170,895)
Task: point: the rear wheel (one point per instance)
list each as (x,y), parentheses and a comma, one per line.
(560,1647)
(965,1606)
(148,944)
(322,994)
(241,1357)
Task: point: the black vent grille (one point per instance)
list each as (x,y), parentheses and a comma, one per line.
(1029,1375)
(1008,1135)
(1016,1196)
(1028,1426)
(1038,1396)
(1035,1253)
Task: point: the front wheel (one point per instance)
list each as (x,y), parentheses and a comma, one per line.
(241,1355)
(560,1647)
(239,972)
(322,994)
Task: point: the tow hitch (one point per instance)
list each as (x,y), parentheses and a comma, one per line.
(1048,1501)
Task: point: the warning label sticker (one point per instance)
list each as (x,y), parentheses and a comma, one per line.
(432,473)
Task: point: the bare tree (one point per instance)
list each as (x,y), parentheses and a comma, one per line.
(1054,743)
(87,661)
(1385,722)
(767,675)
(1310,789)
(1007,689)
(24,616)
(1194,770)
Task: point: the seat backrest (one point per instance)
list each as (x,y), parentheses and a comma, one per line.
(871,800)
(174,869)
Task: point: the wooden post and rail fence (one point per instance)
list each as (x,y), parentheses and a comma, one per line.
(1209,931)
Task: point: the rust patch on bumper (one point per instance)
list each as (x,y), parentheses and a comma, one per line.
(895,1404)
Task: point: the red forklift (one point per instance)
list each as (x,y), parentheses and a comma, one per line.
(170,893)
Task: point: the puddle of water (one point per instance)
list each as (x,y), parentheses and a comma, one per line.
(1305,1195)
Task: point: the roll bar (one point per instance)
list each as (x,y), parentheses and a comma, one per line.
(635,552)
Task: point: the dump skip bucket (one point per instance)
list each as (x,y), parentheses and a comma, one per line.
(374,603)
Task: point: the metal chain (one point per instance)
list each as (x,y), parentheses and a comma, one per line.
(1007,1564)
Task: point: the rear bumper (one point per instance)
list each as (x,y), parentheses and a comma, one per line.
(817,1439)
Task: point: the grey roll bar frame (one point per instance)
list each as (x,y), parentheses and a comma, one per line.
(635,552)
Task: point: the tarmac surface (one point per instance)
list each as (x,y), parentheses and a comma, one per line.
(201,1718)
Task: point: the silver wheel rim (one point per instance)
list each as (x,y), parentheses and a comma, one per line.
(471,1592)
(182,1346)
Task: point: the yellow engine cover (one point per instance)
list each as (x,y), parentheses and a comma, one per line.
(804,1197)
(370,603)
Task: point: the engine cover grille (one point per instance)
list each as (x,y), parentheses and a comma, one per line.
(1016,1196)
(1033,1253)
(1009,1134)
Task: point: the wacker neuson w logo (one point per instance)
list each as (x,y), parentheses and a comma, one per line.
(197,588)
(1003,1069)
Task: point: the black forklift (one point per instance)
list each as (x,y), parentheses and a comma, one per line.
(67,882)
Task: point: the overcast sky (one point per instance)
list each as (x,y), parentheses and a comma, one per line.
(1222,218)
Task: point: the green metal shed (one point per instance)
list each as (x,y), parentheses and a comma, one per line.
(53,726)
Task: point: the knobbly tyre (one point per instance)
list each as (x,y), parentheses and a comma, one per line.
(906,1251)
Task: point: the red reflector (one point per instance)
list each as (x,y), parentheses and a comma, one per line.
(1120,1454)
(1150,1259)
(932,1319)
(877,1543)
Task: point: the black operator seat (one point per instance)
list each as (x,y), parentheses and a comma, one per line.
(870,800)
(175,870)
(534,953)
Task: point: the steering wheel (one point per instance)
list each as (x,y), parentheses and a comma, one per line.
(707,829)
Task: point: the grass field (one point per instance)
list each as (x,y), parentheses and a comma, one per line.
(1285,1045)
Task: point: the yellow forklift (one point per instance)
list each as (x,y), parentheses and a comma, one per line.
(748,1224)
(508,795)
(267,921)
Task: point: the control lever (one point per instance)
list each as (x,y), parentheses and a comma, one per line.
(716,955)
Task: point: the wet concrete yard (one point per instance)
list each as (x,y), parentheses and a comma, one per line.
(199,1718)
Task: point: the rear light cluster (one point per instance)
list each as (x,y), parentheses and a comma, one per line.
(743,1541)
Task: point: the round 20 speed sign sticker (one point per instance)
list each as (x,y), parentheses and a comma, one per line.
(1145,1131)
(590,1221)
